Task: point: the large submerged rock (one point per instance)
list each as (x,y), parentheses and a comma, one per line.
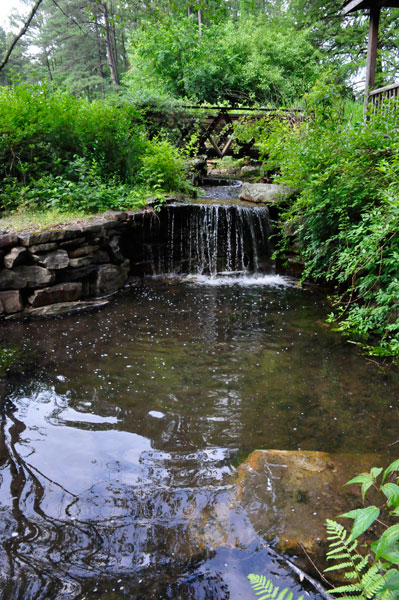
(283,498)
(288,495)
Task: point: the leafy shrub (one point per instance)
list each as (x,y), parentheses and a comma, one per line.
(81,189)
(42,129)
(164,115)
(64,153)
(163,167)
(245,61)
(345,215)
(375,574)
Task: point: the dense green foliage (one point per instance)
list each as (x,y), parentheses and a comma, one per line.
(374,574)
(345,215)
(57,151)
(81,45)
(230,61)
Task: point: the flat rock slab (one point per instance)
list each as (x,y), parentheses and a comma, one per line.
(283,498)
(25,276)
(63,292)
(264,192)
(54,260)
(9,239)
(56,310)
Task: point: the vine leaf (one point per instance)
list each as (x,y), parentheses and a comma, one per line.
(363,518)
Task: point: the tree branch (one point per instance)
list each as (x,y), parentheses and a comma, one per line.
(20,34)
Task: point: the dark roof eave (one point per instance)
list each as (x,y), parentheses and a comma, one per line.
(353,5)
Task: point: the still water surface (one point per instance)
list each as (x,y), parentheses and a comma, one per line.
(128,426)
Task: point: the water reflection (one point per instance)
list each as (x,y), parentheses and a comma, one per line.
(115,454)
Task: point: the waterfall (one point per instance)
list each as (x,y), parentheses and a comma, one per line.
(207,239)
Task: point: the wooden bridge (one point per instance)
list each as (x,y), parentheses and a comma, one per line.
(216,125)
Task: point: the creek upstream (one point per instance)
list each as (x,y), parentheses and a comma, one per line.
(128,424)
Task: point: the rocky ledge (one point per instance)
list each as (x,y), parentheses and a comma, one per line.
(264,192)
(50,272)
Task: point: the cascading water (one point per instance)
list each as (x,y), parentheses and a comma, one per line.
(207,239)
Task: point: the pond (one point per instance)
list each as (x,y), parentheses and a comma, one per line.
(126,430)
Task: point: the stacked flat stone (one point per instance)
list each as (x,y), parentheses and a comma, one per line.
(63,266)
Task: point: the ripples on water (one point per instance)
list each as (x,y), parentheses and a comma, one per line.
(118,450)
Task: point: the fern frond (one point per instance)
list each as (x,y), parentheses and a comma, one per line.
(372,581)
(350,575)
(269,591)
(336,555)
(352,588)
(364,561)
(343,565)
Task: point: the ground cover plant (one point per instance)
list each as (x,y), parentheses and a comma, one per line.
(372,573)
(370,565)
(344,217)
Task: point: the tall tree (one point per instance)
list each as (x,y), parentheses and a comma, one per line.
(79,45)
(20,33)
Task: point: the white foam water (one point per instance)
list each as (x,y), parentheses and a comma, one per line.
(235,278)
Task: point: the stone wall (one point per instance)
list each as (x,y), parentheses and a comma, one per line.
(55,271)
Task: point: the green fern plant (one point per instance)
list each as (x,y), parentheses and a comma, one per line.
(264,588)
(374,576)
(368,581)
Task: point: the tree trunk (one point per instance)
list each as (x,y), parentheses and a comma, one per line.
(99,58)
(200,22)
(48,66)
(124,54)
(109,47)
(113,37)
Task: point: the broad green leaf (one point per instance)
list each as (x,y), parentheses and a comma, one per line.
(389,537)
(375,471)
(363,518)
(392,556)
(352,514)
(362,478)
(365,479)
(391,491)
(394,466)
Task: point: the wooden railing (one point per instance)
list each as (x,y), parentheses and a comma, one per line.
(216,124)
(381,98)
